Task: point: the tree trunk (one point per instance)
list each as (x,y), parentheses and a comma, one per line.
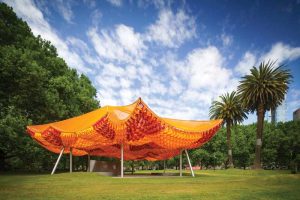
(228,129)
(273,115)
(259,133)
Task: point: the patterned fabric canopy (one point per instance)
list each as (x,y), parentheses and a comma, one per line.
(144,135)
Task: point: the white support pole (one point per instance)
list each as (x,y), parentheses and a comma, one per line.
(71,162)
(122,160)
(180,164)
(188,158)
(58,159)
(89,160)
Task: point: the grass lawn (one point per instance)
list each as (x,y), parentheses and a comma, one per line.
(208,184)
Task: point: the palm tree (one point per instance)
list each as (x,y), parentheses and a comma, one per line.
(262,90)
(231,111)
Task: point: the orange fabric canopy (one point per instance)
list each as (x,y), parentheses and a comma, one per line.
(144,135)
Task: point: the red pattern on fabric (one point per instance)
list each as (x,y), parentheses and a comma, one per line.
(105,128)
(52,136)
(142,123)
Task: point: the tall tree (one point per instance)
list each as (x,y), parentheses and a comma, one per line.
(36,86)
(231,111)
(260,91)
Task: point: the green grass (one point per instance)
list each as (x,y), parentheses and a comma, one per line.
(208,184)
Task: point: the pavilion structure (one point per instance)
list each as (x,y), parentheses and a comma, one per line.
(132,132)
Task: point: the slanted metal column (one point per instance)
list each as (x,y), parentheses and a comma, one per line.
(180,164)
(188,158)
(71,161)
(89,160)
(122,161)
(58,159)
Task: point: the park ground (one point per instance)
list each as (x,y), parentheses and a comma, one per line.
(208,184)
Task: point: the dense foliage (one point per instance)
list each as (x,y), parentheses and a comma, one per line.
(36,86)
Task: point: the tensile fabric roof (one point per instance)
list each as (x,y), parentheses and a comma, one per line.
(143,134)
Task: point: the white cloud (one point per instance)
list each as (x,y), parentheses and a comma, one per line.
(206,69)
(246,63)
(107,82)
(82,49)
(194,82)
(28,11)
(125,82)
(131,69)
(158,87)
(172,29)
(176,87)
(117,3)
(119,44)
(183,88)
(127,95)
(281,52)
(130,40)
(65,10)
(176,67)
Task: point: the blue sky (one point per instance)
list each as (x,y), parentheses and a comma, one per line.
(177,55)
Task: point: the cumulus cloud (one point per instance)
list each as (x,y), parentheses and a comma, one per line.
(246,63)
(281,52)
(206,68)
(119,44)
(173,87)
(207,78)
(193,83)
(82,49)
(28,11)
(172,29)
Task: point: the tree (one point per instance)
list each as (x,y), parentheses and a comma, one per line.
(260,91)
(230,110)
(36,86)
(242,145)
(199,157)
